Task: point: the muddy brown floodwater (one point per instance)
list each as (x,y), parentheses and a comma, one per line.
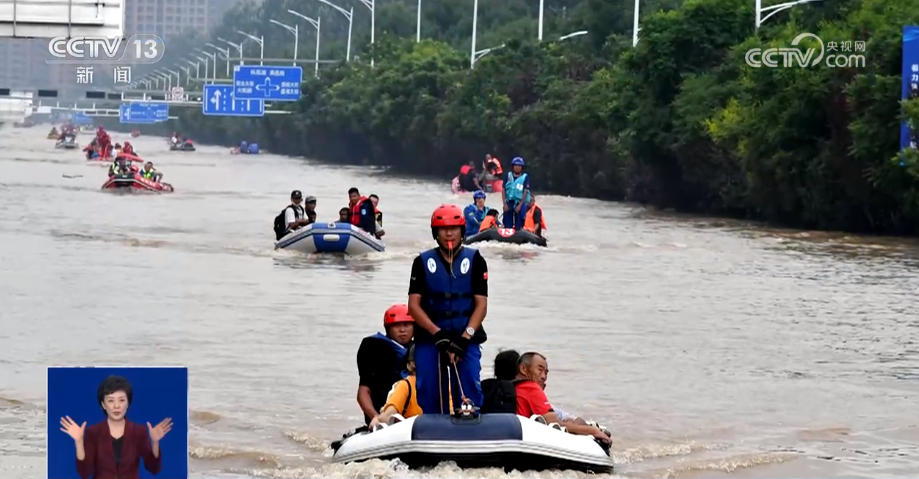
(710,347)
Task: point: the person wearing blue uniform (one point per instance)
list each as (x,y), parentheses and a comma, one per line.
(448,299)
(475,213)
(243,147)
(516,195)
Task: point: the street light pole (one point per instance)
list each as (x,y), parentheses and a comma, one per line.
(350,16)
(177,74)
(197,66)
(775,9)
(212,56)
(317,23)
(572,35)
(475,21)
(418,24)
(261,44)
(292,29)
(237,46)
(371,4)
(187,74)
(481,53)
(206,66)
(635,25)
(542,6)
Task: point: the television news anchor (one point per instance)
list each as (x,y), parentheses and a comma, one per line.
(114,447)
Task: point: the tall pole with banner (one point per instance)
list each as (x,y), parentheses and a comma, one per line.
(910,87)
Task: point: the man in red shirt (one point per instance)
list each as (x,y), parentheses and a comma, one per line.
(532,370)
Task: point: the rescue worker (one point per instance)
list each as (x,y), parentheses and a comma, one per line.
(448,298)
(148,172)
(468,179)
(309,209)
(403,397)
(491,169)
(294,216)
(490,221)
(119,167)
(535,222)
(516,195)
(362,211)
(174,139)
(475,213)
(381,360)
(377,215)
(128,149)
(532,369)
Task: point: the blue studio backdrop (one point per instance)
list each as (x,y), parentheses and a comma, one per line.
(158,393)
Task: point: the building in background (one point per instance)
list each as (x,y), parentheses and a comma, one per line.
(22,60)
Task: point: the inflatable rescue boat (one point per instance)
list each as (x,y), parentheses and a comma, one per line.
(483,440)
(182,147)
(68,143)
(131,182)
(331,238)
(506,235)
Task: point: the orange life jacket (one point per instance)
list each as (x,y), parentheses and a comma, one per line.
(529,224)
(488,222)
(464,170)
(497,163)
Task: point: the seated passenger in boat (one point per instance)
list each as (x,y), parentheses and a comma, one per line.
(149,173)
(468,178)
(309,209)
(378,215)
(475,213)
(381,360)
(344,215)
(403,397)
(534,222)
(490,221)
(532,370)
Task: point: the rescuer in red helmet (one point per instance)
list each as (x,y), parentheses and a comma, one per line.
(381,360)
(448,297)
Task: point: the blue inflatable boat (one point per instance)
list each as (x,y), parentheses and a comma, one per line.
(331,238)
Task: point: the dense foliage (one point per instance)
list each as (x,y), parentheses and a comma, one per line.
(679,121)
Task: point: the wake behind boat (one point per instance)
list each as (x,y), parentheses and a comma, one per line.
(487,440)
(331,238)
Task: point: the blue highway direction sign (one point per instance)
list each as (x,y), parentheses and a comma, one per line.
(258,82)
(220,100)
(143,113)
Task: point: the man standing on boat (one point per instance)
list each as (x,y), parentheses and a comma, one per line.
(448,298)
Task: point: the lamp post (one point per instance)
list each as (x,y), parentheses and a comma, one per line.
(542,6)
(572,35)
(481,53)
(261,44)
(206,66)
(292,29)
(197,66)
(635,25)
(350,16)
(418,24)
(237,46)
(371,4)
(213,57)
(475,21)
(176,73)
(187,71)
(775,9)
(316,22)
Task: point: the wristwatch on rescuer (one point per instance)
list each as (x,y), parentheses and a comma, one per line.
(470,331)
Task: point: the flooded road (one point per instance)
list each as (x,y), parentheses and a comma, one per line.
(709,347)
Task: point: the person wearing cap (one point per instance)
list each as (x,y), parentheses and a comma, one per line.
(150,173)
(516,195)
(294,215)
(448,297)
(475,213)
(378,215)
(381,360)
(309,209)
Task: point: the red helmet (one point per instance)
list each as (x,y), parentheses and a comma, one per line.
(397,313)
(447,215)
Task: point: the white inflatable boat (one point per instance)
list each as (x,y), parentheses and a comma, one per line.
(331,238)
(488,440)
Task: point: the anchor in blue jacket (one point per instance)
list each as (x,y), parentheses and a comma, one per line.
(448,298)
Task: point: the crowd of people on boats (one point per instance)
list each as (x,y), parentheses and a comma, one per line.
(362,212)
(520,209)
(427,360)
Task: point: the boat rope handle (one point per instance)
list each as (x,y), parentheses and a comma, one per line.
(459,381)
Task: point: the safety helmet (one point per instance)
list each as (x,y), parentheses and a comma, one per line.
(397,313)
(518,161)
(445,216)
(478,194)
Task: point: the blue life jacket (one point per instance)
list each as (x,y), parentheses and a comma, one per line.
(400,350)
(448,300)
(474,218)
(513,189)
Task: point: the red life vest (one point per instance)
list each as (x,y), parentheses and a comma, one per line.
(356,211)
